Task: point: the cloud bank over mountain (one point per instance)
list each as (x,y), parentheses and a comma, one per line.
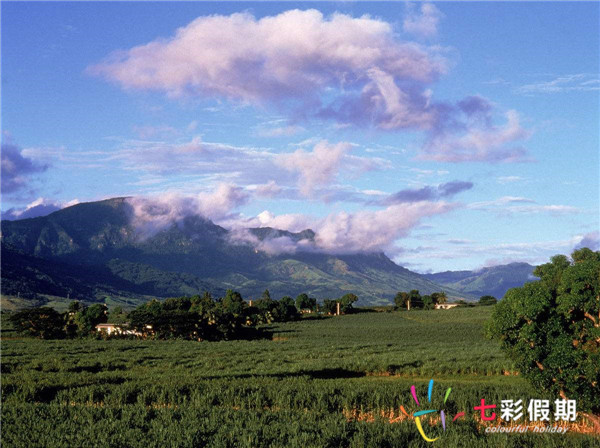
(338,232)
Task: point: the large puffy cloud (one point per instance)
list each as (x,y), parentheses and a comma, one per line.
(369,231)
(273,245)
(355,71)
(362,231)
(17,169)
(153,214)
(295,59)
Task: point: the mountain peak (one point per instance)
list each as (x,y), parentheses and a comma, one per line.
(266,233)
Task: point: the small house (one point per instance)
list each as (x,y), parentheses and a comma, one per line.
(445,306)
(117,330)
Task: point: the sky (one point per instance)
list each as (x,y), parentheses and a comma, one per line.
(448,135)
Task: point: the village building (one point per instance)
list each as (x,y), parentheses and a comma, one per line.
(445,306)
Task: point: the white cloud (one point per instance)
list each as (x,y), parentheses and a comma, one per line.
(425,23)
(374,230)
(590,240)
(515,204)
(154,213)
(39,207)
(354,71)
(482,142)
(362,231)
(581,82)
(321,166)
(269,190)
(301,61)
(508,179)
(280,131)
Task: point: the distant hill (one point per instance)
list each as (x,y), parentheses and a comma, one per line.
(493,281)
(91,251)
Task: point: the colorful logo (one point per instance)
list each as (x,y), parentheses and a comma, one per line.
(510,411)
(417,415)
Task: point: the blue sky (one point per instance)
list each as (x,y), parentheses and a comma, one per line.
(449,135)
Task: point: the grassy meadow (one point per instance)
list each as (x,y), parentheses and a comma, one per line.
(318,382)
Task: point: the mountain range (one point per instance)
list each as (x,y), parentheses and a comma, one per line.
(94,252)
(493,281)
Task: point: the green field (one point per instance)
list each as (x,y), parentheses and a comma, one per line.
(300,388)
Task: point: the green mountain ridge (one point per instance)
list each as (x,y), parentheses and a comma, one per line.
(92,250)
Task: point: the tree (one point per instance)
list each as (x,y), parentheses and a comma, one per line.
(233,302)
(266,295)
(415,299)
(75,306)
(203,305)
(286,309)
(402,299)
(117,316)
(346,302)
(487,300)
(117,310)
(303,302)
(330,306)
(82,321)
(551,329)
(44,323)
(428,302)
(177,304)
(440,297)
(550,273)
(585,254)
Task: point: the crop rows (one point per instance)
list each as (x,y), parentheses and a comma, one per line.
(297,389)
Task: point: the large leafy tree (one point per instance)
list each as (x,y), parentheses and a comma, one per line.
(44,323)
(416,301)
(551,328)
(286,310)
(329,306)
(346,302)
(428,302)
(234,303)
(402,299)
(439,297)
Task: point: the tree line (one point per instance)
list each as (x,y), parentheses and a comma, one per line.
(200,317)
(414,300)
